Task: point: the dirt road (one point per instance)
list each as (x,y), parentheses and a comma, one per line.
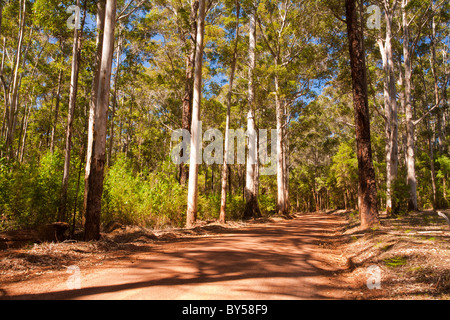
(284,259)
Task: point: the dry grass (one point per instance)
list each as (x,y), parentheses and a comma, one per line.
(18,264)
(413,253)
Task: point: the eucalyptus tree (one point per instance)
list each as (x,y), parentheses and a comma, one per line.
(367,191)
(295,58)
(11,90)
(390,97)
(222,213)
(51,18)
(427,11)
(191,214)
(96,154)
(76,55)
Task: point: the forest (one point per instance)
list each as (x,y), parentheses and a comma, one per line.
(346,100)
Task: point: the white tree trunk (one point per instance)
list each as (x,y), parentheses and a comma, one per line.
(223,199)
(98,149)
(114,104)
(390,106)
(55,121)
(72,103)
(286,162)
(14,91)
(410,156)
(252,208)
(191,214)
(281,193)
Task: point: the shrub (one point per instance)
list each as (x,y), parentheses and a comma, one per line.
(30,193)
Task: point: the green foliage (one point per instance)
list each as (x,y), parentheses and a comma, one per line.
(29,193)
(400,193)
(267,204)
(345,167)
(142,199)
(153,199)
(307,52)
(51,15)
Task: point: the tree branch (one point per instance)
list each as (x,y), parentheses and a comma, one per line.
(427,113)
(121,17)
(264,36)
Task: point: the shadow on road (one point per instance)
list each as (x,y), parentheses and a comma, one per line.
(265,261)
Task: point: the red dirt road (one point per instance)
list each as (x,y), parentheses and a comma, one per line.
(286,259)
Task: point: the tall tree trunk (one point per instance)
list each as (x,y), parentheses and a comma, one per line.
(25,128)
(129,127)
(80,170)
(188,87)
(230,180)
(281,193)
(212,178)
(223,195)
(5,95)
(444,125)
(56,112)
(432,169)
(436,84)
(191,214)
(251,207)
(390,105)
(96,163)
(205,189)
(76,52)
(394,110)
(93,101)
(14,90)
(430,130)
(367,192)
(286,161)
(410,150)
(114,104)
(439,114)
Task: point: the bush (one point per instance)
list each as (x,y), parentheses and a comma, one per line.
(29,193)
(400,194)
(156,199)
(153,199)
(267,204)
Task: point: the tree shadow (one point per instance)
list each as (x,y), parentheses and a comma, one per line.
(277,259)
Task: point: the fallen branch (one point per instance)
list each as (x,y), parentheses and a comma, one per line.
(443,215)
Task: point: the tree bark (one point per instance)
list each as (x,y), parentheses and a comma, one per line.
(281,204)
(390,105)
(432,169)
(251,207)
(93,101)
(191,214)
(76,52)
(114,104)
(367,192)
(436,85)
(25,128)
(95,164)
(55,120)
(286,161)
(439,117)
(14,90)
(410,150)
(188,87)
